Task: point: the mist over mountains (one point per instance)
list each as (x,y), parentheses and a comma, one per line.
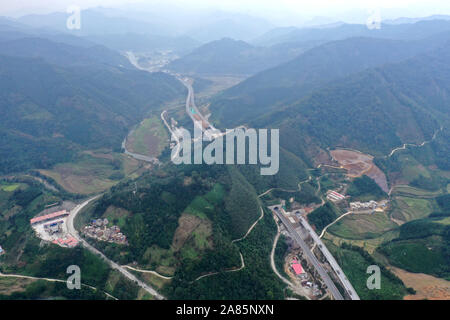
(95,114)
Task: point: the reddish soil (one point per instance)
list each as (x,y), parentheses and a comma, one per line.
(426,286)
(358,164)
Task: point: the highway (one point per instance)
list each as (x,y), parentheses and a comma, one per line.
(310,256)
(112,264)
(333,263)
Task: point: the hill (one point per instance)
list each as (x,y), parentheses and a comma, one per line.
(48,112)
(233,57)
(282,85)
(61,53)
(403,31)
(375,110)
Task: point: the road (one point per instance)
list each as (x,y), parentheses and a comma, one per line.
(136,155)
(242,257)
(272,258)
(251,227)
(190,103)
(231,270)
(112,264)
(338,218)
(333,263)
(148,271)
(414,145)
(310,256)
(52,280)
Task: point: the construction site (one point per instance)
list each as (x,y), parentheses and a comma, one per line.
(52,227)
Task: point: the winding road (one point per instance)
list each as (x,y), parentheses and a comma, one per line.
(112,264)
(242,257)
(52,280)
(414,145)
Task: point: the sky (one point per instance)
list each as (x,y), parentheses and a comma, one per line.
(274,10)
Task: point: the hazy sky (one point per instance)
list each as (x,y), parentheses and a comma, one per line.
(275,10)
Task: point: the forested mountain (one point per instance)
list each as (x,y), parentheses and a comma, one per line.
(232,57)
(62,54)
(375,110)
(45,109)
(278,87)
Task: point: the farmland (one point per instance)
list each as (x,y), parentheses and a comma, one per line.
(92,173)
(149,138)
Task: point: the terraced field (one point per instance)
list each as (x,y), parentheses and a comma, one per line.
(407,209)
(362,226)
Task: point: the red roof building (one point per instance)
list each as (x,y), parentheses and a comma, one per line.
(50,216)
(298,269)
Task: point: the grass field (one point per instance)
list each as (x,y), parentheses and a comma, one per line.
(445,221)
(161,260)
(418,255)
(92,172)
(411,168)
(407,209)
(408,191)
(116,216)
(9,187)
(10,285)
(354,265)
(370,245)
(362,226)
(149,138)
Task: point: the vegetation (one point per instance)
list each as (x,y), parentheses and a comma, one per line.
(256,280)
(365,186)
(322,216)
(63,110)
(354,261)
(422,246)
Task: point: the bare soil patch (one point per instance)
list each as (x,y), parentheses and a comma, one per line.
(426,286)
(358,164)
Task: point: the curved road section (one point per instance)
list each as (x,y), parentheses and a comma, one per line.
(112,264)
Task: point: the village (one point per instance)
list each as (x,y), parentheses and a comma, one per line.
(99,230)
(370,206)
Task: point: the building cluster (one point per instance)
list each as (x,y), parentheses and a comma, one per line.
(49,217)
(53,227)
(335,196)
(368,206)
(1,251)
(98,229)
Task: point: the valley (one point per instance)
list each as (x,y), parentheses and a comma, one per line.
(91,121)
